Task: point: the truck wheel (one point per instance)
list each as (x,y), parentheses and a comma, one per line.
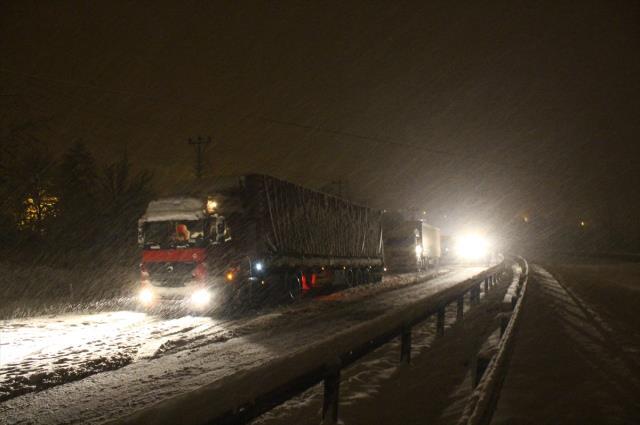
(350,278)
(293,285)
(366,276)
(376,275)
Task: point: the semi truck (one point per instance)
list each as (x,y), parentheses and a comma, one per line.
(409,245)
(254,235)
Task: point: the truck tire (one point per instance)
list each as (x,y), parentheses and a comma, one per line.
(376,275)
(350,278)
(366,274)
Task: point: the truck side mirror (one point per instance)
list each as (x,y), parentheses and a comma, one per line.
(220,229)
(140,234)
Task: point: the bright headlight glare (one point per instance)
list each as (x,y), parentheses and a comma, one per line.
(472,247)
(201,297)
(259,266)
(418,250)
(145,296)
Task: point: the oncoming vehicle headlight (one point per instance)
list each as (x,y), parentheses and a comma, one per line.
(201,297)
(472,247)
(145,296)
(418,250)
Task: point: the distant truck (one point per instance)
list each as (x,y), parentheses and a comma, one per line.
(254,235)
(409,245)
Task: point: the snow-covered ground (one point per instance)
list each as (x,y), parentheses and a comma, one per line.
(54,362)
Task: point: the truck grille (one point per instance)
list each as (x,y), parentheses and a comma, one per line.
(172,275)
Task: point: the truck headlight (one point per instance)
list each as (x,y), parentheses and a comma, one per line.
(145,296)
(418,251)
(201,297)
(472,247)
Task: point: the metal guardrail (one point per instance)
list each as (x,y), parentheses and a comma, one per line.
(239,398)
(483,401)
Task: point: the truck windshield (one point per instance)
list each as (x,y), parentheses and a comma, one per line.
(174,233)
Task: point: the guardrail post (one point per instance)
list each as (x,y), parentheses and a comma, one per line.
(331,394)
(504,322)
(486,285)
(475,295)
(440,322)
(460,308)
(481,365)
(405,345)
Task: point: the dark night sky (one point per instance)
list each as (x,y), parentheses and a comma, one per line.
(493,107)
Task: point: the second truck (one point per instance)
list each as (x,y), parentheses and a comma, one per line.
(409,245)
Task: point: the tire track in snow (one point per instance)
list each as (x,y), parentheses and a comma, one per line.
(599,343)
(41,353)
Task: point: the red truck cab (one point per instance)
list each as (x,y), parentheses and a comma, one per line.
(175,234)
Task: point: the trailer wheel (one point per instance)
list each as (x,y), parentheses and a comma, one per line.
(366,276)
(293,285)
(376,275)
(350,278)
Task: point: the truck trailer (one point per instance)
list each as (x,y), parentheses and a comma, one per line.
(409,245)
(254,235)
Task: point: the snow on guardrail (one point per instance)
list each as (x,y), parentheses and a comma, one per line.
(513,291)
(482,402)
(241,397)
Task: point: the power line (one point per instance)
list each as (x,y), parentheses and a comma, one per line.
(320,129)
(374,139)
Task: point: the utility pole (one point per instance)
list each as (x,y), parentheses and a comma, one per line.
(200,145)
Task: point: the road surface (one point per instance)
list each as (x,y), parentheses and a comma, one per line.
(92,368)
(576,357)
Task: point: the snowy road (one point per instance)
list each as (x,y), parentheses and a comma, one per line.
(98,367)
(43,352)
(576,357)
